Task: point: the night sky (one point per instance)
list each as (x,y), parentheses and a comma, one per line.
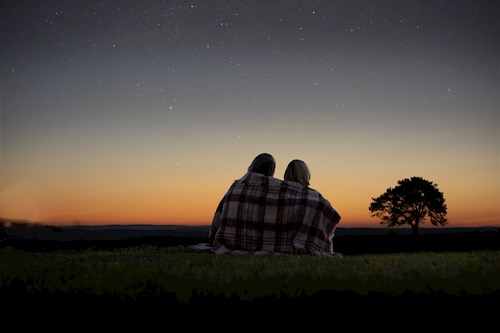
(146,111)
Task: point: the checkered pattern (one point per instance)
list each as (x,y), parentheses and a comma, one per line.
(265,214)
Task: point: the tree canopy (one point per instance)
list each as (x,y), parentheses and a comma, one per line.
(411,202)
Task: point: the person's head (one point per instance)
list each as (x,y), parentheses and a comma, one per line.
(297,171)
(264,164)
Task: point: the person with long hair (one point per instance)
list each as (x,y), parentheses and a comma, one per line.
(298,171)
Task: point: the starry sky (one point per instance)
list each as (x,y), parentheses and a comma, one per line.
(147,111)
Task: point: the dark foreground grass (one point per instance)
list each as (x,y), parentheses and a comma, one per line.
(179,276)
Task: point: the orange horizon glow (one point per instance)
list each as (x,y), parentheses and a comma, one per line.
(185,196)
(193,203)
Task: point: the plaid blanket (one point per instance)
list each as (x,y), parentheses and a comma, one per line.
(263,214)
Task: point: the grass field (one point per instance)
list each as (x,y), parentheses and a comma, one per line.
(179,276)
(452,274)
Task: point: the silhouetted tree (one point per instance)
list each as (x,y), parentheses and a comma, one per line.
(410,202)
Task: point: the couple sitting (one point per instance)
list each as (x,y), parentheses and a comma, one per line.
(260,214)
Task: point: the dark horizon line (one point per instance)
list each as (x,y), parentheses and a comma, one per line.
(137,224)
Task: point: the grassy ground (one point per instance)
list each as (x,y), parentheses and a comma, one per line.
(181,276)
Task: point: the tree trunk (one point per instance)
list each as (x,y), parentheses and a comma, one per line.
(414,228)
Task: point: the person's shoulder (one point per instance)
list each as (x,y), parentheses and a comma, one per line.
(275,181)
(313,193)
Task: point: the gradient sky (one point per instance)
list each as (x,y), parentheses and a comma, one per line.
(146,111)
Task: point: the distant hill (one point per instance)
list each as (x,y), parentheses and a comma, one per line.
(347,240)
(122,232)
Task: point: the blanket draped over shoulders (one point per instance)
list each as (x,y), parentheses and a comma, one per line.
(266,215)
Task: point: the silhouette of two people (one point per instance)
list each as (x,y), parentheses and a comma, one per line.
(261,214)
